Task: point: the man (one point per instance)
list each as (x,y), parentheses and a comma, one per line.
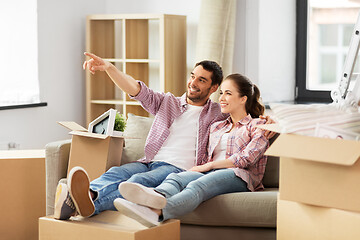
(176,142)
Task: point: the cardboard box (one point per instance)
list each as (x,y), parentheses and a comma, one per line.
(318,171)
(23,200)
(108,225)
(96,153)
(296,221)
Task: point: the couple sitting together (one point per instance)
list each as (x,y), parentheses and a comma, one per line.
(196,149)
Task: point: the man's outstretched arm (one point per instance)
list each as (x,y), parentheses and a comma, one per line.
(125,82)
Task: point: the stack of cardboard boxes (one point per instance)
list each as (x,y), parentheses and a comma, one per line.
(319,188)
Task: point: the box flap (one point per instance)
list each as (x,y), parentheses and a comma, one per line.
(271,127)
(87,134)
(73,126)
(94,135)
(335,151)
(117,134)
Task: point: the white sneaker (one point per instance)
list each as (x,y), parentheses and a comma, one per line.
(142,195)
(143,215)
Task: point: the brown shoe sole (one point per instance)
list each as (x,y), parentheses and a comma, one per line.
(79,186)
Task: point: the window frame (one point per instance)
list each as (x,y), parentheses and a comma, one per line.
(301,93)
(30,105)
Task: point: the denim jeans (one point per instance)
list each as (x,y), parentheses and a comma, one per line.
(148,174)
(186,190)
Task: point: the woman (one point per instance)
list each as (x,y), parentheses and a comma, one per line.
(236,162)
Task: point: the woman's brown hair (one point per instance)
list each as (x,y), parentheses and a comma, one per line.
(246,88)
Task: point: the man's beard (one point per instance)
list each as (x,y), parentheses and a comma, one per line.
(199,97)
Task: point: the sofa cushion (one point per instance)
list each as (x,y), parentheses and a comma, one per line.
(137,127)
(250,209)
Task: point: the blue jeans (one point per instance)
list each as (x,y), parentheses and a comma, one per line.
(186,190)
(148,174)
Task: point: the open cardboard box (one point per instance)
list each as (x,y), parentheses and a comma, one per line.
(108,225)
(96,153)
(297,221)
(318,171)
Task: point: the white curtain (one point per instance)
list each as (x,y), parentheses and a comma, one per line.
(216,34)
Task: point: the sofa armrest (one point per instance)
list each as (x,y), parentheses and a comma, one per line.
(56,162)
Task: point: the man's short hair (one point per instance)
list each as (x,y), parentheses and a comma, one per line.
(214,68)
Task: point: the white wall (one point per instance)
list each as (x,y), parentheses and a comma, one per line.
(264,51)
(277,41)
(266,33)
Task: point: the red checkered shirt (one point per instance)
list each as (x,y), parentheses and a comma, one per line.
(166,108)
(245,148)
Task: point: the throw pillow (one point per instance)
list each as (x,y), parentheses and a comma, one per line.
(137,128)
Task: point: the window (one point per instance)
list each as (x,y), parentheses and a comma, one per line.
(333,47)
(19,53)
(324,29)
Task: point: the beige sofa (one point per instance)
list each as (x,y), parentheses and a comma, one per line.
(246,216)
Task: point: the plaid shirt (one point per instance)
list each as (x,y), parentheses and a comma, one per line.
(245,148)
(166,108)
